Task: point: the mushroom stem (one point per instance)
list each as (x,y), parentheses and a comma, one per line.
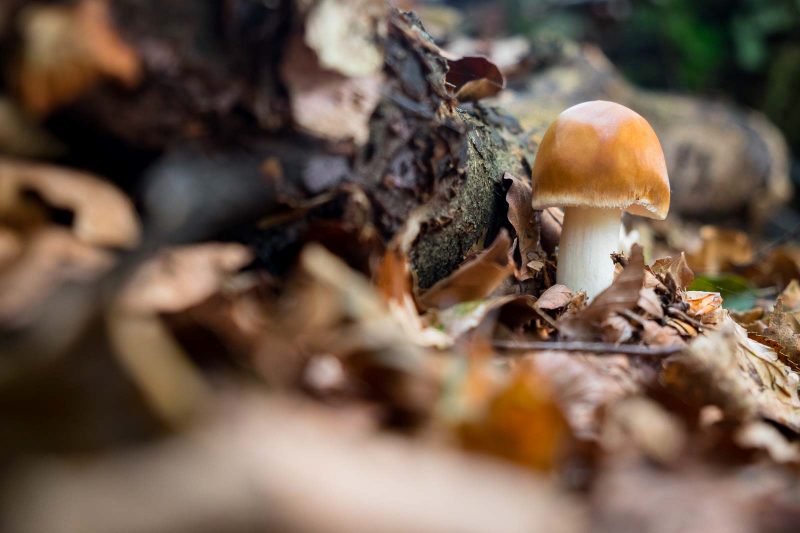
(589,236)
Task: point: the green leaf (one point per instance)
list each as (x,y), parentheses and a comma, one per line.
(737,293)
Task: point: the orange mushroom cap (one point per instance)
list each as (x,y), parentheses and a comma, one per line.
(601,154)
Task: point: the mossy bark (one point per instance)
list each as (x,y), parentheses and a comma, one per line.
(477,207)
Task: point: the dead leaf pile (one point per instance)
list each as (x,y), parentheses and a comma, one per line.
(234,387)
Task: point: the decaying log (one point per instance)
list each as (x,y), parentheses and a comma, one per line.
(259,85)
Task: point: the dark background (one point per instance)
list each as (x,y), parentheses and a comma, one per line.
(745,51)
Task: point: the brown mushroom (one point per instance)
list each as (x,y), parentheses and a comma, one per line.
(596,160)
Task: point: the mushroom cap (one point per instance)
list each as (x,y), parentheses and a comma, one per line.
(601,154)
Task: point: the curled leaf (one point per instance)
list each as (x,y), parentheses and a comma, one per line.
(103,216)
(743,377)
(474,78)
(520,215)
(555,297)
(622,295)
(183,277)
(474,279)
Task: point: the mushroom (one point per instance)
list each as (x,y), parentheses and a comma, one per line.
(596,160)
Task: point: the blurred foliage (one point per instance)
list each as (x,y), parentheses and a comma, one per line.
(738,294)
(748,50)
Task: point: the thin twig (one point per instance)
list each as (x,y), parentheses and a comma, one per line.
(592,347)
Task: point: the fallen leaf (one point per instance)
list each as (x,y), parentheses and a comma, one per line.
(632,494)
(46,259)
(707,306)
(474,78)
(158,366)
(616,329)
(677,268)
(475,279)
(509,53)
(103,215)
(762,436)
(782,324)
(551,221)
(737,292)
(520,215)
(327,103)
(244,469)
(650,303)
(461,318)
(654,334)
(522,423)
(66,50)
(721,250)
(789,298)
(393,281)
(743,377)
(643,424)
(183,277)
(584,385)
(623,294)
(346,35)
(555,297)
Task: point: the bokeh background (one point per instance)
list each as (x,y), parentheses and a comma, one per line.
(741,51)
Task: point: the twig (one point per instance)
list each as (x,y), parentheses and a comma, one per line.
(593,347)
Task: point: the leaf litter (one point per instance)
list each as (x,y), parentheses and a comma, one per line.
(495,399)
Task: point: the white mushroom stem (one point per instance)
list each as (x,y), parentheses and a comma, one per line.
(589,236)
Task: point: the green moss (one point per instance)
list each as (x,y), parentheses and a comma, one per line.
(477,207)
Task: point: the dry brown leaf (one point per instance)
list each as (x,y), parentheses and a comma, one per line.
(676,267)
(585,384)
(616,329)
(393,276)
(103,215)
(623,294)
(706,306)
(633,495)
(394,282)
(475,279)
(474,78)
(743,377)
(555,297)
(66,50)
(762,436)
(520,215)
(346,35)
(263,465)
(789,299)
(640,422)
(552,222)
(183,277)
(158,366)
(650,303)
(48,258)
(654,334)
(522,423)
(782,324)
(509,53)
(780,266)
(324,102)
(721,250)
(462,318)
